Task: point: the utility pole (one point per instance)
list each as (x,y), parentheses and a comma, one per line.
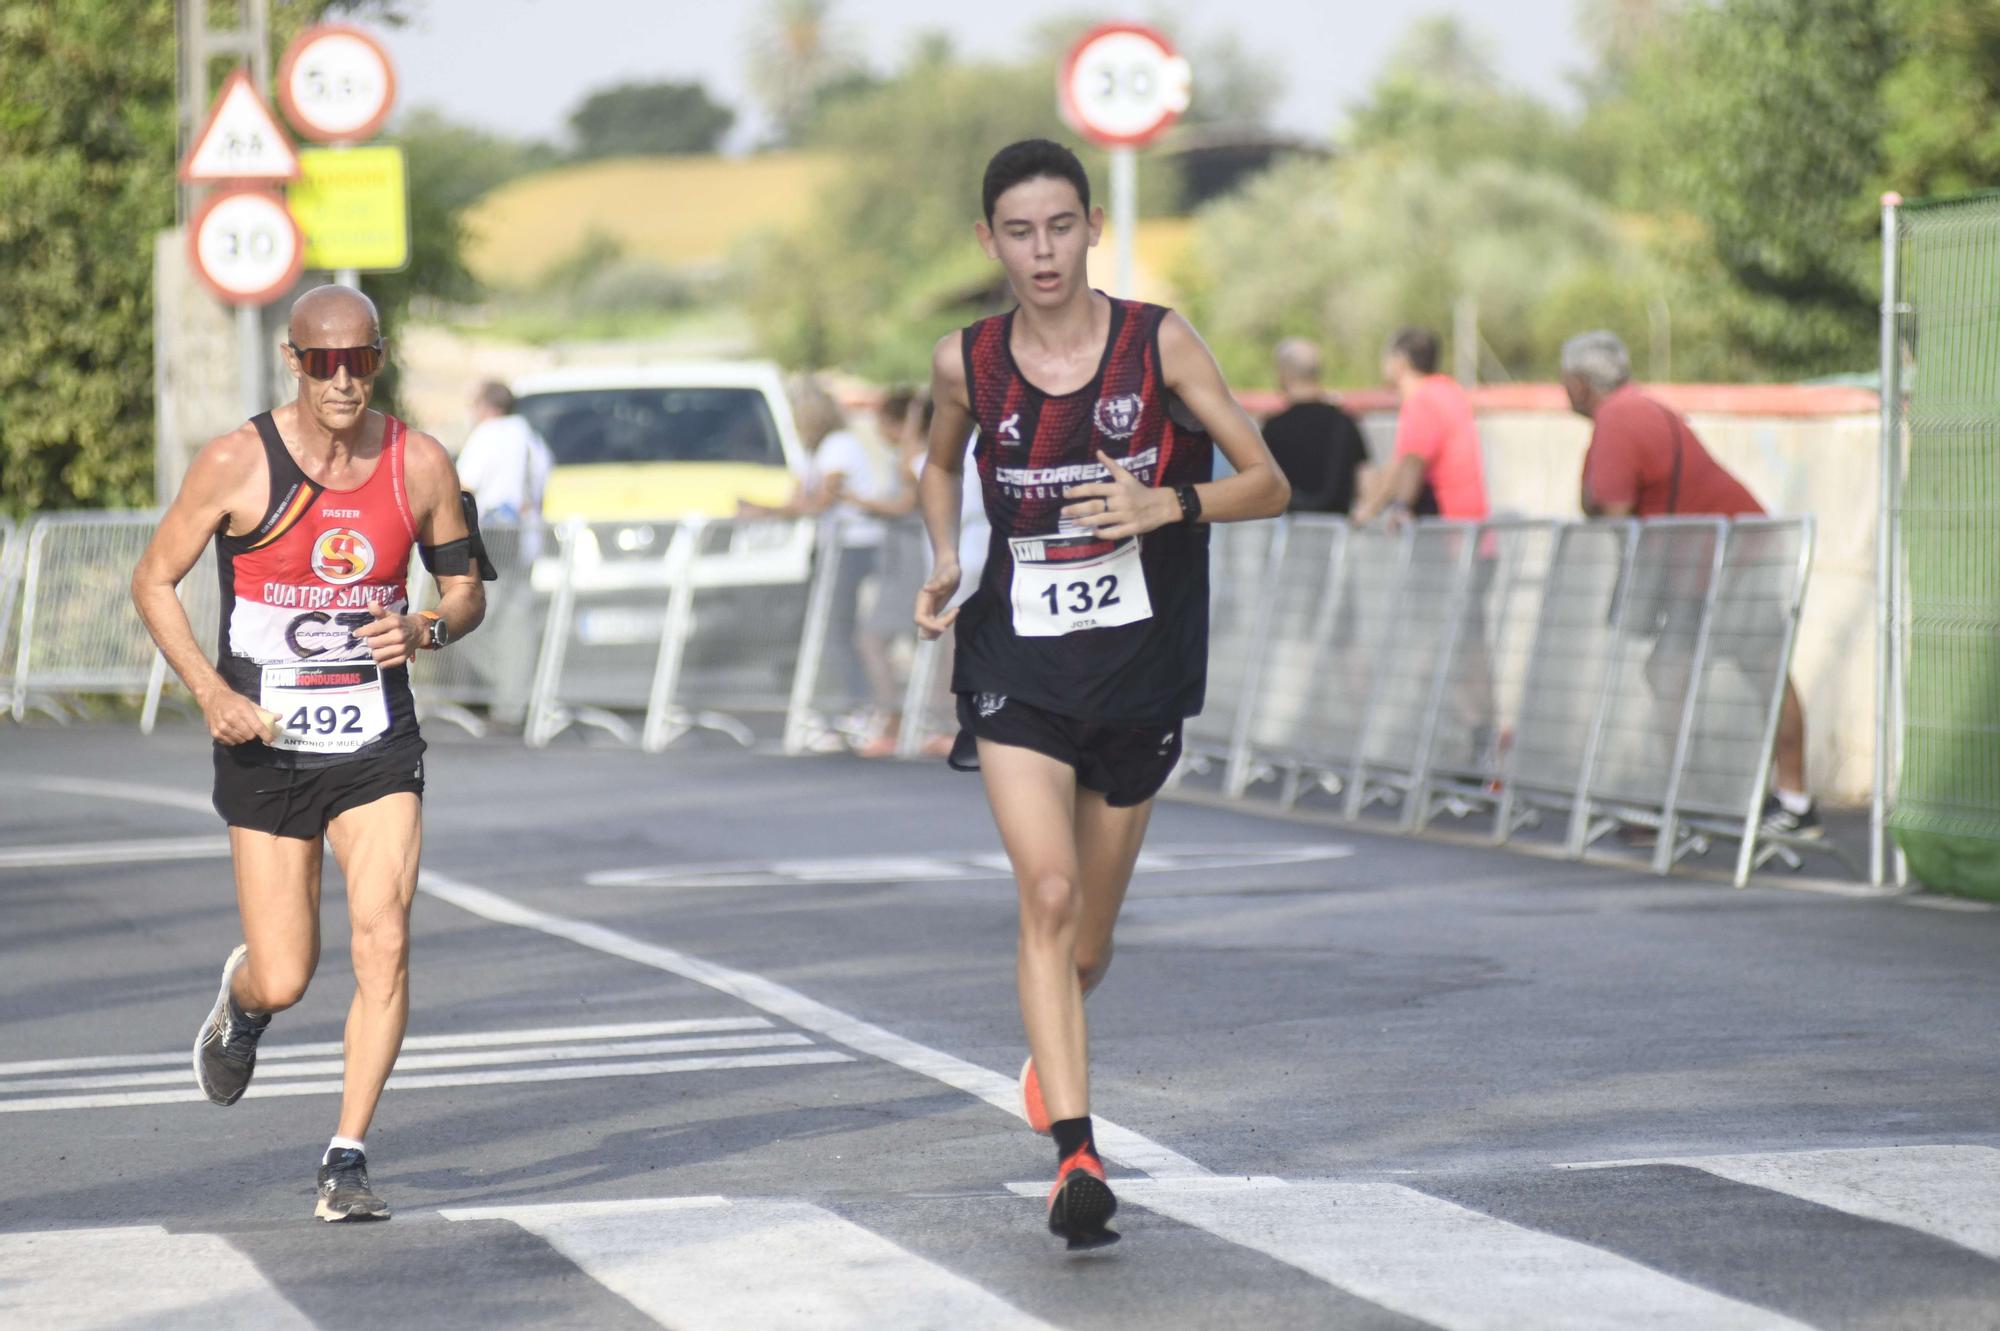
(202,46)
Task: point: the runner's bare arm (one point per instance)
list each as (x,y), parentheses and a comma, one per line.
(223,479)
(1400,482)
(394,639)
(1124,507)
(941,489)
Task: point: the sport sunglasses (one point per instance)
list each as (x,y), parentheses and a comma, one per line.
(326,362)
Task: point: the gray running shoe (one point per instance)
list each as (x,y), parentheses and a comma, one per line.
(225,1048)
(344,1193)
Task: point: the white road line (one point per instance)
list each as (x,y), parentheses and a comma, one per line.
(1431,1259)
(1114,1142)
(470,1040)
(474,1058)
(1950,1191)
(141,1276)
(432,1080)
(115,852)
(962,866)
(1949,903)
(116,790)
(708,1264)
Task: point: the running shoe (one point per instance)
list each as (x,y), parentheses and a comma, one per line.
(1783,822)
(344,1193)
(1032,1107)
(1080,1204)
(225,1048)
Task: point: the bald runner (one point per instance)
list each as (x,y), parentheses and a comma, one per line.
(315,508)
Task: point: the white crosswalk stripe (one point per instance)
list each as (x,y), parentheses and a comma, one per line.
(711,1264)
(703,1262)
(1952,1192)
(1432,1259)
(137,1276)
(429,1062)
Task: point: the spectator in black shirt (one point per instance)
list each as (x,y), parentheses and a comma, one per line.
(1317,445)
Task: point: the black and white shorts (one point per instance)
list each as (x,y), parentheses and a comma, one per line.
(1126,764)
(301,801)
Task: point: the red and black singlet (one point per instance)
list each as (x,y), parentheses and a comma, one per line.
(296,588)
(1105,631)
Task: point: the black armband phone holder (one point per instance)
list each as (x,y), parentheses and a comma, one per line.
(468,553)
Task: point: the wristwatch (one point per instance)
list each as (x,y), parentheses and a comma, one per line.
(437,633)
(1190,504)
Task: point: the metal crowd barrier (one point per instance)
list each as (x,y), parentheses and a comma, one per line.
(1589,677)
(693,624)
(11,540)
(1613,675)
(78,631)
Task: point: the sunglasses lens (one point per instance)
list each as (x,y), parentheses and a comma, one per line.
(326,362)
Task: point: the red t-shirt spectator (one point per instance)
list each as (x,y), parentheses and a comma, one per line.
(1633,444)
(1436,425)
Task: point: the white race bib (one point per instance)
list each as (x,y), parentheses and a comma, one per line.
(332,708)
(1056,598)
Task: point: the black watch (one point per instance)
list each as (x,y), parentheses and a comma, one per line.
(1190,504)
(437,633)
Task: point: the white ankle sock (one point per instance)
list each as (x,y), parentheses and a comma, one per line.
(1795,801)
(342,1144)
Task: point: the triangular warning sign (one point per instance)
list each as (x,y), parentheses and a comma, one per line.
(241,139)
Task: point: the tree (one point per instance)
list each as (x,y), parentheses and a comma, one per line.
(1766,125)
(1346,251)
(641,118)
(1942,100)
(87,137)
(798,61)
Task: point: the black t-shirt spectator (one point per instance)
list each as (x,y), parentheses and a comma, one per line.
(1319,448)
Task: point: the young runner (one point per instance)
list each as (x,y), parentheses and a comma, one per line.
(314,509)
(1086,644)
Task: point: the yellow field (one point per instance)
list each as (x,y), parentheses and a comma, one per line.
(686,212)
(677,211)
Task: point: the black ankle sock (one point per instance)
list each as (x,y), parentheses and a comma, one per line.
(1072,1134)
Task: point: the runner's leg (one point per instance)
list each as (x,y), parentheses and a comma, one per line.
(1107,845)
(377,845)
(277,896)
(1033,798)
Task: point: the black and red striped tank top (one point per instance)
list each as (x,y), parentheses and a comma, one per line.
(1109,632)
(295,588)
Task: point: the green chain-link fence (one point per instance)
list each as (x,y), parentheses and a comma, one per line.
(1945,395)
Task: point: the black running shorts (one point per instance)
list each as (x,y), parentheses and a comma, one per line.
(1126,764)
(301,801)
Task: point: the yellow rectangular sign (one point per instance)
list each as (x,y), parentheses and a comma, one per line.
(352,207)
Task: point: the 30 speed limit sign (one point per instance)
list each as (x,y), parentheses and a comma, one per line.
(1123,85)
(246,247)
(336,84)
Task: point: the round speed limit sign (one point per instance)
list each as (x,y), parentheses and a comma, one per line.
(246,247)
(336,84)
(1123,85)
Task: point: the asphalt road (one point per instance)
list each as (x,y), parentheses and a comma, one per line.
(723,1040)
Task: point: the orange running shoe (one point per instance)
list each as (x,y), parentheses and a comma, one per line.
(1031,1098)
(1081,1203)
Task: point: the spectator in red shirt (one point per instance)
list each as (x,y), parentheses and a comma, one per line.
(1644,461)
(1437,442)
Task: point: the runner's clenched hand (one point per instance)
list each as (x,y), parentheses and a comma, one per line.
(932,598)
(391,638)
(1122,506)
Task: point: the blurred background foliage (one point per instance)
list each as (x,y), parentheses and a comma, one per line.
(1709,191)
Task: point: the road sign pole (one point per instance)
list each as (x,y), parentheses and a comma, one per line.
(250,352)
(1125,214)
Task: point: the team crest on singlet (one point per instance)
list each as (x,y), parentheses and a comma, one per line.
(1118,417)
(342,555)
